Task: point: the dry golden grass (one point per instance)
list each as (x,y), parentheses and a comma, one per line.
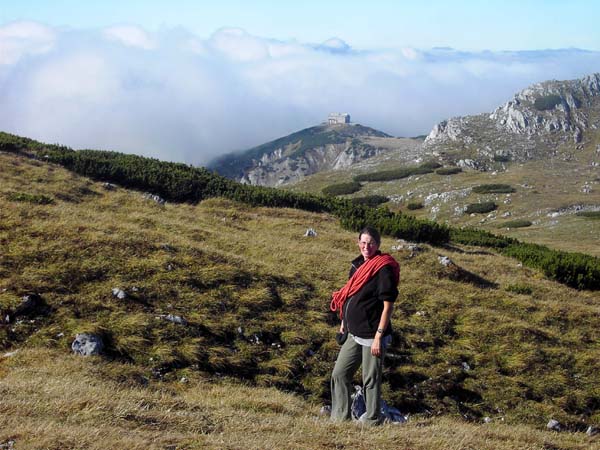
(55,401)
(223,265)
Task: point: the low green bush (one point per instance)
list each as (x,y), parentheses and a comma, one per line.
(448,170)
(397,174)
(370,200)
(493,189)
(342,188)
(519,223)
(480,208)
(414,206)
(589,214)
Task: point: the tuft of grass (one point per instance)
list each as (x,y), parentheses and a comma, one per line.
(38,199)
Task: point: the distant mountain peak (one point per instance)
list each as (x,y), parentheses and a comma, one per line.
(537,119)
(329,146)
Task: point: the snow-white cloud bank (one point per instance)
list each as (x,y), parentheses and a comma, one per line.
(178,97)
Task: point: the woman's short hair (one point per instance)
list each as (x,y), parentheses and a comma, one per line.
(371,232)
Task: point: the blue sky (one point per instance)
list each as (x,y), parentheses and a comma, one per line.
(461,24)
(188,80)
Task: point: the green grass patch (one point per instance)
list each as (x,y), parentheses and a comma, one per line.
(519,288)
(493,189)
(547,102)
(38,199)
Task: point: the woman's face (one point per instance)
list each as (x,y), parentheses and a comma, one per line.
(368,246)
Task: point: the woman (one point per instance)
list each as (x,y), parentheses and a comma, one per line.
(365,305)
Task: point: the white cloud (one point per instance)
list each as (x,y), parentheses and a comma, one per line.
(175,96)
(131,36)
(19,39)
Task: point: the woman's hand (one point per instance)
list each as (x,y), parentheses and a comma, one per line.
(342,327)
(376,346)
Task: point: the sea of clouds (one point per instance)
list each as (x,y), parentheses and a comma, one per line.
(175,96)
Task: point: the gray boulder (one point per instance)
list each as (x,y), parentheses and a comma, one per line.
(554,425)
(86,344)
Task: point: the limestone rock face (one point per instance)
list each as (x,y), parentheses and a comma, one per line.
(537,120)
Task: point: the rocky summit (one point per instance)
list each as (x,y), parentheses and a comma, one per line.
(546,120)
(306,152)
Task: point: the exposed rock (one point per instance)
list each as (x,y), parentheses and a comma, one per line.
(109,186)
(445,261)
(325,411)
(412,247)
(533,125)
(174,319)
(8,445)
(310,233)
(87,344)
(119,293)
(156,198)
(554,425)
(592,430)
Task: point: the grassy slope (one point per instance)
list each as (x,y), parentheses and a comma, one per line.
(223,265)
(542,188)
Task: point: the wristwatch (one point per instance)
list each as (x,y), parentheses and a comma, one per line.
(380,330)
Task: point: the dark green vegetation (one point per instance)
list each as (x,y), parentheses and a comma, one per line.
(372,201)
(518,223)
(547,103)
(448,170)
(342,188)
(183,183)
(493,189)
(589,214)
(396,174)
(414,206)
(293,145)
(480,208)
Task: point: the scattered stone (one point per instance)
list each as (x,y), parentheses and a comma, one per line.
(156,198)
(310,233)
(445,261)
(174,319)
(465,366)
(325,411)
(109,186)
(87,344)
(592,430)
(10,354)
(487,419)
(183,380)
(8,445)
(119,293)
(554,425)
